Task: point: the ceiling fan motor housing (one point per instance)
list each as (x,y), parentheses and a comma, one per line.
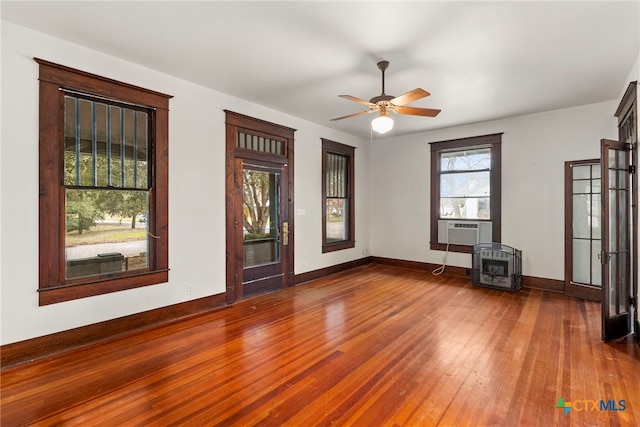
(379,98)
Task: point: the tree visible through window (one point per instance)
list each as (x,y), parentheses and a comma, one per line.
(465,184)
(107,187)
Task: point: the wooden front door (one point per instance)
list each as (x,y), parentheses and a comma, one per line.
(259,206)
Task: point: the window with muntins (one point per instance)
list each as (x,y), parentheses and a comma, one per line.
(103,185)
(465,191)
(338,226)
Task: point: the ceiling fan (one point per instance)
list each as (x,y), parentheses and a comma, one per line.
(385,103)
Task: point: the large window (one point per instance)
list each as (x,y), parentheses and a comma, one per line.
(103,185)
(465,191)
(338,228)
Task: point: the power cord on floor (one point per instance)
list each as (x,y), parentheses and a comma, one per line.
(438,271)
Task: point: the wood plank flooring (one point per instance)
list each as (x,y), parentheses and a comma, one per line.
(375,346)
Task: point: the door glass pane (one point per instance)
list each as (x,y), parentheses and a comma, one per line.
(613,158)
(613,220)
(596,273)
(596,213)
(581,172)
(261,217)
(613,279)
(581,261)
(582,216)
(622,179)
(106,232)
(624,285)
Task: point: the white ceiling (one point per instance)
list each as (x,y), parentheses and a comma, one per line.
(479,60)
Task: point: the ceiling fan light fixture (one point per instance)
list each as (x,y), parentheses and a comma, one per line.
(382,124)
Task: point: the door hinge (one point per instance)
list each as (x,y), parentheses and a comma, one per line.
(632,169)
(632,301)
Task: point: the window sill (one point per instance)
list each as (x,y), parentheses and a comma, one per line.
(338,246)
(58,294)
(465,249)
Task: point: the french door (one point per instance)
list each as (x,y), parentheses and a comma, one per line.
(616,243)
(583,234)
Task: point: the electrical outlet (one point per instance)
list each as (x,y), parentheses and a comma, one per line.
(189,290)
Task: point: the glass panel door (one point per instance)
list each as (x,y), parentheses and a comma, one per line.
(265,231)
(616,283)
(261,217)
(584,269)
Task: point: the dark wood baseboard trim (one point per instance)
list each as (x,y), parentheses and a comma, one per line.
(542,283)
(49,345)
(324,272)
(450,270)
(527,281)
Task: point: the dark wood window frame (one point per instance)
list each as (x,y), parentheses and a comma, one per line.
(494,141)
(53,287)
(329,146)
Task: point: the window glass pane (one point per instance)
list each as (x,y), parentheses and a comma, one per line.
(115,147)
(336,220)
(85,116)
(106,231)
(129,148)
(95,155)
(141,150)
(465,184)
(336,175)
(466,160)
(100,144)
(260,143)
(465,207)
(70,152)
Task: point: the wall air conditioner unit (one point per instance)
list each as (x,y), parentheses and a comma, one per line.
(464,232)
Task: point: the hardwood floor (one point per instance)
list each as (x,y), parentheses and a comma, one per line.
(375,346)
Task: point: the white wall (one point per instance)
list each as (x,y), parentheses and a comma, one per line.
(534,149)
(196,189)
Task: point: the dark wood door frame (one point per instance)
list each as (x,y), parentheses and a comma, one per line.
(236,123)
(627,115)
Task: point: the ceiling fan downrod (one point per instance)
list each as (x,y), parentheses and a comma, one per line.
(382,65)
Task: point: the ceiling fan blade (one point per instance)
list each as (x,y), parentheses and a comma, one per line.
(415,111)
(353,115)
(358,100)
(412,95)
